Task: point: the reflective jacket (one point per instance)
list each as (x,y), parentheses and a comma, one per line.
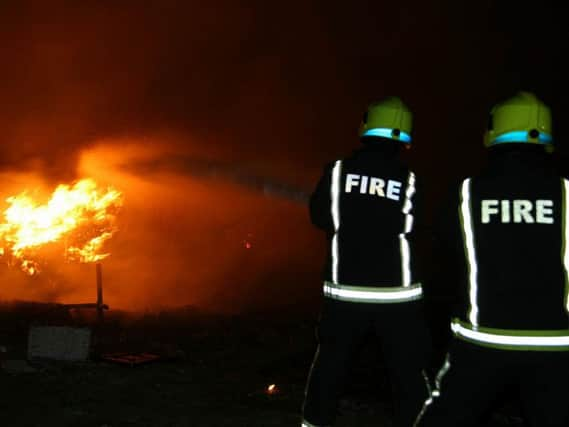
(367,204)
(510,226)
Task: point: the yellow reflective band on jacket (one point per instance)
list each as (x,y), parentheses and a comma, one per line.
(407,228)
(512,339)
(565,241)
(335,208)
(470,250)
(370,294)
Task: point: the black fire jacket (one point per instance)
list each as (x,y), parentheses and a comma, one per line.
(505,234)
(368,204)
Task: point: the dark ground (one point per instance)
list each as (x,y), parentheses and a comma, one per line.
(214,371)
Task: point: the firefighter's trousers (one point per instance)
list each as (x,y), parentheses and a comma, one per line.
(405,345)
(475,379)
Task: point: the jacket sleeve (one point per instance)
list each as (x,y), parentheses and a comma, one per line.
(320,202)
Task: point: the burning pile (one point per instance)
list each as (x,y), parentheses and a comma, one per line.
(76,220)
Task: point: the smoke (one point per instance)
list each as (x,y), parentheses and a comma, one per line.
(217,170)
(197,238)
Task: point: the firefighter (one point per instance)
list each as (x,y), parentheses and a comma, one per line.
(367,206)
(508,230)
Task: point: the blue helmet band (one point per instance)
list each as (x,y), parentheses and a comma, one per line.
(388,133)
(522,136)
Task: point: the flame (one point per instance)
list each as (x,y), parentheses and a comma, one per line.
(81,216)
(272,389)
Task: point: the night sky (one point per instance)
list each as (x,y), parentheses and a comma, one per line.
(188,106)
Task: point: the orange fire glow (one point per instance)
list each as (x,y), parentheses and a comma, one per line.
(272,389)
(81,217)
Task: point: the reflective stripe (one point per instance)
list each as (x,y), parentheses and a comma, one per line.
(565,238)
(509,339)
(372,294)
(427,382)
(522,136)
(436,392)
(388,133)
(316,355)
(468,233)
(335,197)
(440,375)
(407,227)
(428,400)
(307,424)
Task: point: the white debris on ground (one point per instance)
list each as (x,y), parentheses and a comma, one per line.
(59,343)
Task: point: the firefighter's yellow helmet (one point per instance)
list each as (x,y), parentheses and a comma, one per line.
(389,118)
(520,119)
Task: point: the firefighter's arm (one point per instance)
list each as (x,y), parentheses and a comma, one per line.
(320,202)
